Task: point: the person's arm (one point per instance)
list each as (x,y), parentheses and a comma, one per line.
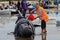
(33,10)
(40,12)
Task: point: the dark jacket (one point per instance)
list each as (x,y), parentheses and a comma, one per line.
(24,4)
(18,5)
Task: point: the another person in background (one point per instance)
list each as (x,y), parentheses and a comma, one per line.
(1,8)
(55,2)
(18,5)
(13,5)
(24,7)
(48,2)
(3,5)
(9,2)
(42,15)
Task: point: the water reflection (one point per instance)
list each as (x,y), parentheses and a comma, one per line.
(20,38)
(43,36)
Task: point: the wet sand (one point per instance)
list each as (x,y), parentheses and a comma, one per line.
(7,25)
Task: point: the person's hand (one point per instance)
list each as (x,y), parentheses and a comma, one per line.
(40,17)
(31,11)
(34,18)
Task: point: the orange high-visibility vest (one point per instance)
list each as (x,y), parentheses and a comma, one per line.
(43,13)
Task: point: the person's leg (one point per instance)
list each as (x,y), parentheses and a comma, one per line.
(24,12)
(43,26)
(44,30)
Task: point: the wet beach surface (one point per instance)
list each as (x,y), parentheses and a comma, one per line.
(7,25)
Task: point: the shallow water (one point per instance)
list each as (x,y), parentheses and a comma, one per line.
(7,25)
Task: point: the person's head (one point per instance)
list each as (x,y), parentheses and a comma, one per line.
(36,5)
(12,2)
